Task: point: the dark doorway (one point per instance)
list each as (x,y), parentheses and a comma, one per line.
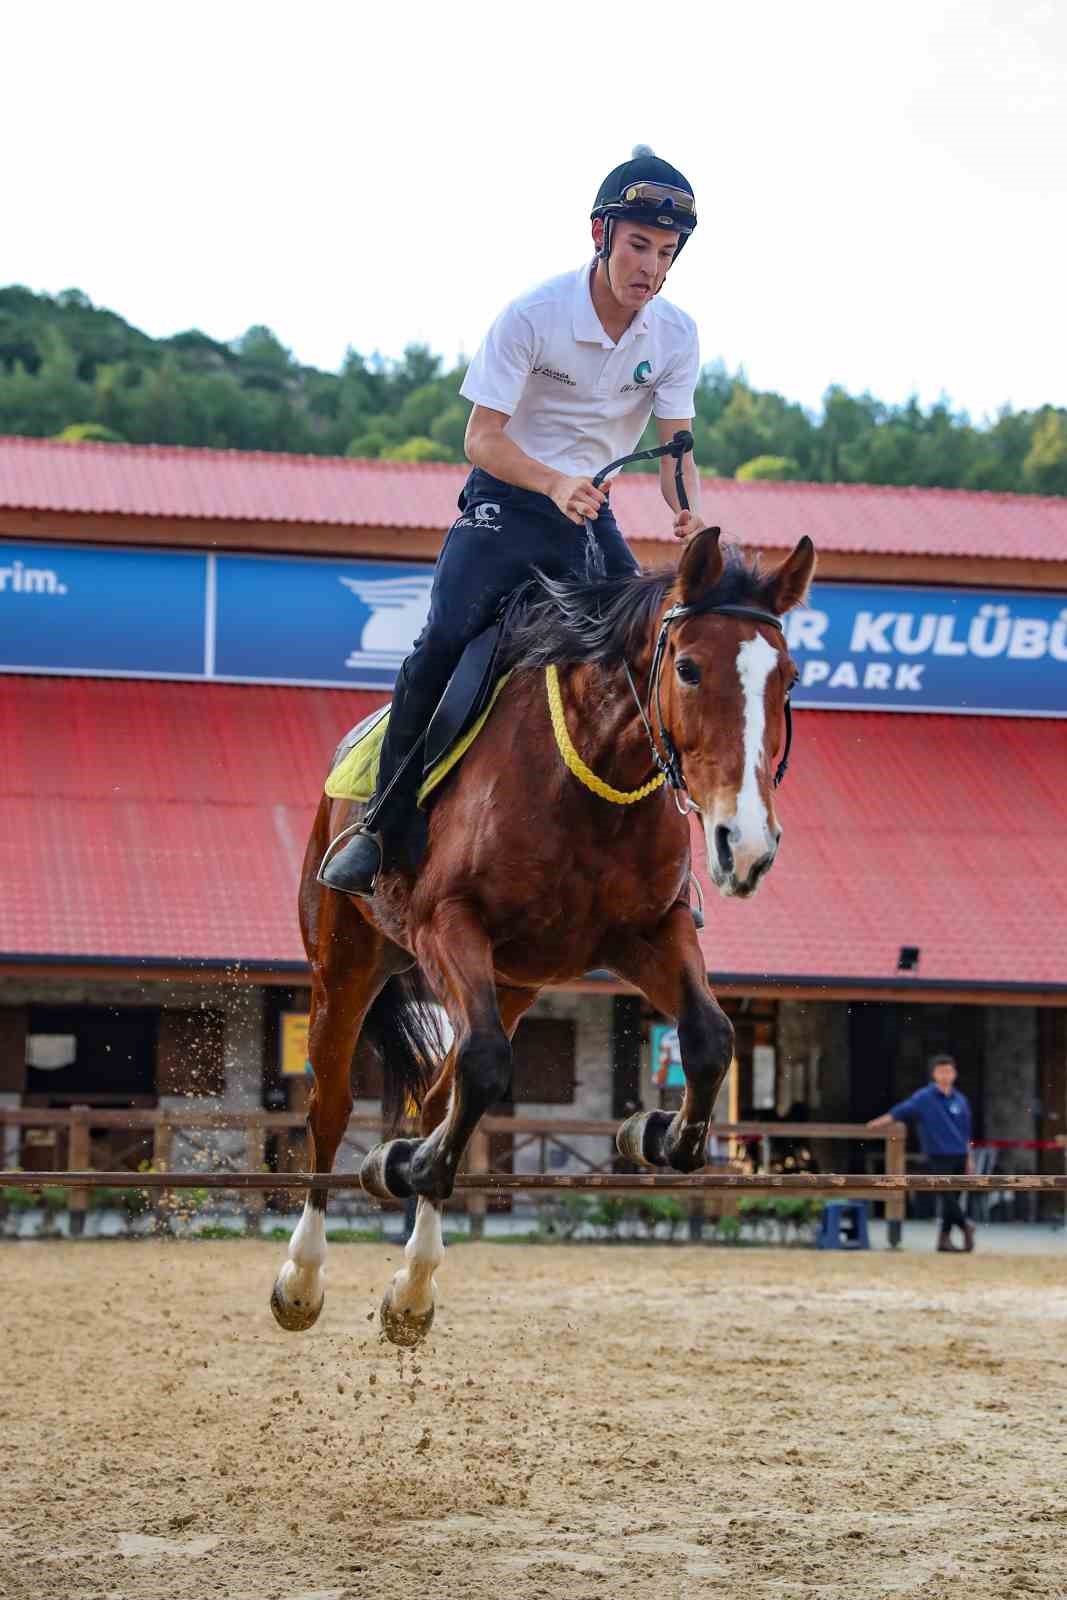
(890,1046)
(108,1056)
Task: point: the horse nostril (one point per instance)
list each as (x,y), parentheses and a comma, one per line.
(763,865)
(723,852)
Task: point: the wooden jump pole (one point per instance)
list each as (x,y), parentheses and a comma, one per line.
(811,1183)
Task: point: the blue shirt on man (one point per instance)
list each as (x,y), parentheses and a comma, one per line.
(944,1120)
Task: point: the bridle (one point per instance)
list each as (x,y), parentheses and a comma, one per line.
(665,755)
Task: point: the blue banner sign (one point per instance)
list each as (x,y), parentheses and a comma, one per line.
(957,650)
(263,619)
(314,622)
(131,614)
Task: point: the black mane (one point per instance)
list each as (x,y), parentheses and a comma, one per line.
(604,620)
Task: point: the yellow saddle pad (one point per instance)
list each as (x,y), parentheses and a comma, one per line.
(356,773)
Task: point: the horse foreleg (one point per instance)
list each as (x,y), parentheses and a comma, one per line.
(668,968)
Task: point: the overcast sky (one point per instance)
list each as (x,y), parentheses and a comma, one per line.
(881,187)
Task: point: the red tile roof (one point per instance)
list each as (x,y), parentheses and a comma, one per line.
(159,820)
(941,832)
(168,821)
(231,485)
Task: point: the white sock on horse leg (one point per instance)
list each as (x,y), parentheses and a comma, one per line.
(423,1253)
(301,1276)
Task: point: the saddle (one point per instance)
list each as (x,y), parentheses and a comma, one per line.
(460,716)
(467,693)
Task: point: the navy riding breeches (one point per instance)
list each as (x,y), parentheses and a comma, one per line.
(501,535)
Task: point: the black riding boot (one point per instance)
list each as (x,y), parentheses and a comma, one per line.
(354,867)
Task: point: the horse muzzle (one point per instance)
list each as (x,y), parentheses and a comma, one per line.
(739,860)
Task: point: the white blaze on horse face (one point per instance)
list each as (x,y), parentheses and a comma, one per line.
(748,830)
(300,1282)
(424,1252)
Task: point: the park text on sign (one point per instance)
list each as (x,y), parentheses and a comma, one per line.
(349,624)
(902,649)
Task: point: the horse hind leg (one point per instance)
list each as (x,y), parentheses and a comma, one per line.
(344,983)
(299,1290)
(407,1309)
(455,954)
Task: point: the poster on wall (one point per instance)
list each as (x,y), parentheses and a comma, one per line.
(763,1077)
(666,1057)
(293,1044)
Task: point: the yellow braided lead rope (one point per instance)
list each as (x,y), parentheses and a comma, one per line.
(573,760)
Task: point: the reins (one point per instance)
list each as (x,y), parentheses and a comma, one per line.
(668,763)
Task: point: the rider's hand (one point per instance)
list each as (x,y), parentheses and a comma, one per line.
(577,498)
(688,523)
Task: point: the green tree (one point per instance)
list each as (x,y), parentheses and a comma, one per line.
(1045,466)
(263,360)
(450,428)
(65,362)
(369,445)
(740,432)
(772,469)
(163,414)
(421,408)
(417,449)
(79,432)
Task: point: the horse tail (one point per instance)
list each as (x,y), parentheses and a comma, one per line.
(403,1029)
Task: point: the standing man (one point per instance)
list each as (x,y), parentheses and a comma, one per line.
(943,1117)
(565,382)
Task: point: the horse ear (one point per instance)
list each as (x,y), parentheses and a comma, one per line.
(788,585)
(700,567)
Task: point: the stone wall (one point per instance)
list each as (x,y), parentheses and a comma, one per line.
(1011,1082)
(592,1015)
(813,1058)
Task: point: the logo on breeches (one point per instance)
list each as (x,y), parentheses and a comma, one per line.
(484,513)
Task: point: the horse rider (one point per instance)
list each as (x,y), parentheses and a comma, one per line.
(565,380)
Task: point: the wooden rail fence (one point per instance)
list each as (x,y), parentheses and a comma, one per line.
(476,1183)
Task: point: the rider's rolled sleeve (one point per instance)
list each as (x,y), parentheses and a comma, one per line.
(499,372)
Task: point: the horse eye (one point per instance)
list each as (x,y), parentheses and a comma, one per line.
(688,670)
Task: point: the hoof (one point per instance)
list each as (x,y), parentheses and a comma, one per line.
(405,1328)
(294,1317)
(384,1173)
(641,1137)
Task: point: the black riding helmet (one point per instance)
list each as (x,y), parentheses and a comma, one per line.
(646,189)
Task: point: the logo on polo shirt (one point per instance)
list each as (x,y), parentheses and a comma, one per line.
(641,378)
(555,374)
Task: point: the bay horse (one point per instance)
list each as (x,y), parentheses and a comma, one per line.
(533,877)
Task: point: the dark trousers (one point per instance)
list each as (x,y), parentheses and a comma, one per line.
(501,535)
(952,1213)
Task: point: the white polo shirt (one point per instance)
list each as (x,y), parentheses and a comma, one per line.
(574,399)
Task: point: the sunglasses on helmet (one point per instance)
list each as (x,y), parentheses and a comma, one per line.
(658,196)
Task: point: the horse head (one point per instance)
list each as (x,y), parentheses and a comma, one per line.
(723,686)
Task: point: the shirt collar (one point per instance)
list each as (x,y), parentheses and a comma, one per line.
(588,328)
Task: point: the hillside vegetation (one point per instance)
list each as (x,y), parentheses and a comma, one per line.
(72,369)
